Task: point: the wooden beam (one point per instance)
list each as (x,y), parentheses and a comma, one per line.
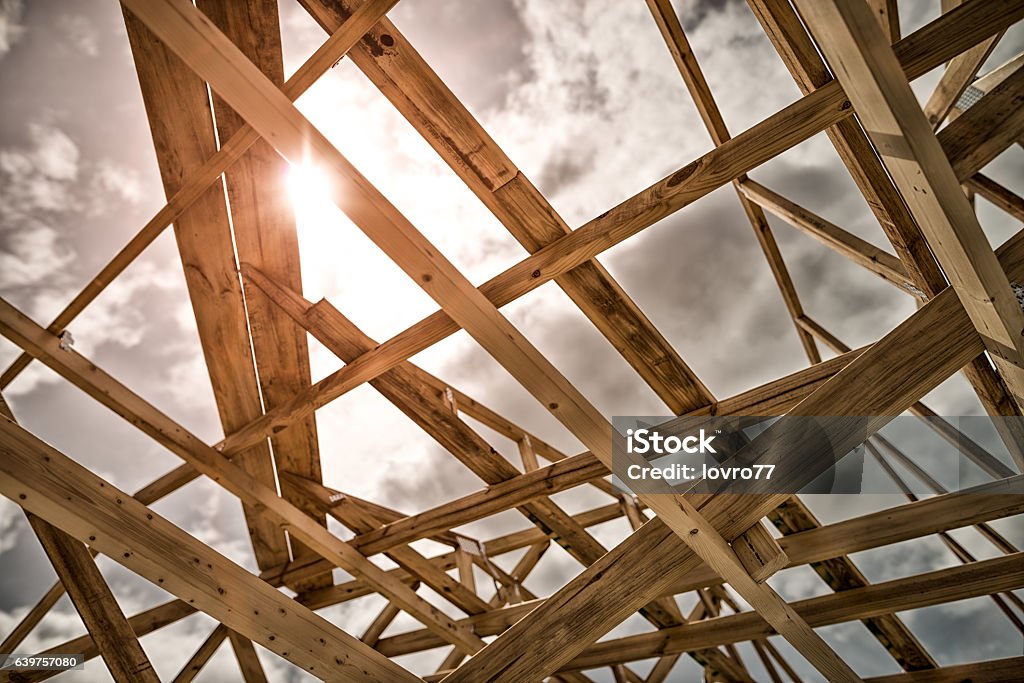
(206,650)
(95,604)
(999,195)
(787,32)
(417,92)
(409,389)
(359,520)
(992,671)
(181,123)
(326,56)
(686,63)
(888,14)
(841,574)
(248,660)
(991,125)
(206,460)
(91,596)
(861,252)
(504,495)
(263,226)
(883,381)
(50,485)
(886,527)
(919,52)
(871,75)
(959,73)
(921,590)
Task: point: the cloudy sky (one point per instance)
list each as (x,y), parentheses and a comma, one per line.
(584,98)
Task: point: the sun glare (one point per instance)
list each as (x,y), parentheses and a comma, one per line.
(308,189)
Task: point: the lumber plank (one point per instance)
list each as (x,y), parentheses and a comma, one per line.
(861,252)
(181,123)
(884,380)
(201,656)
(921,590)
(110,393)
(248,660)
(998,194)
(49,484)
(985,130)
(881,94)
(789,35)
(893,525)
(326,56)
(95,604)
(686,63)
(919,52)
(359,520)
(417,92)
(263,226)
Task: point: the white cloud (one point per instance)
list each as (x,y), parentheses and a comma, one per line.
(80,32)
(10,524)
(10,24)
(31,257)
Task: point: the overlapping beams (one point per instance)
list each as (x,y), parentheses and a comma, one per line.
(206,51)
(892,117)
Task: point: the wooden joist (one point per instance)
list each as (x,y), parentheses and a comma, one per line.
(263,226)
(199,181)
(206,460)
(184,142)
(52,486)
(417,92)
(872,77)
(212,71)
(919,52)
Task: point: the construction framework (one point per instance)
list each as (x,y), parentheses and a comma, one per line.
(918,168)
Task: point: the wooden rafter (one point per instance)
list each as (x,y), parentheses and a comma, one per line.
(225,128)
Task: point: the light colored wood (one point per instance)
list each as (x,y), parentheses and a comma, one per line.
(91,596)
(672,32)
(959,73)
(894,525)
(183,143)
(919,52)
(759,553)
(95,604)
(788,34)
(199,181)
(995,671)
(987,128)
(263,227)
(914,158)
(911,592)
(860,251)
(883,381)
(360,520)
(198,660)
(206,460)
(888,14)
(435,112)
(999,195)
(52,486)
(380,624)
(248,660)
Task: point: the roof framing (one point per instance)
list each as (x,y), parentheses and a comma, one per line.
(225,128)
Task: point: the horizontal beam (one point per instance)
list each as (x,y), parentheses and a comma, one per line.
(923,590)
